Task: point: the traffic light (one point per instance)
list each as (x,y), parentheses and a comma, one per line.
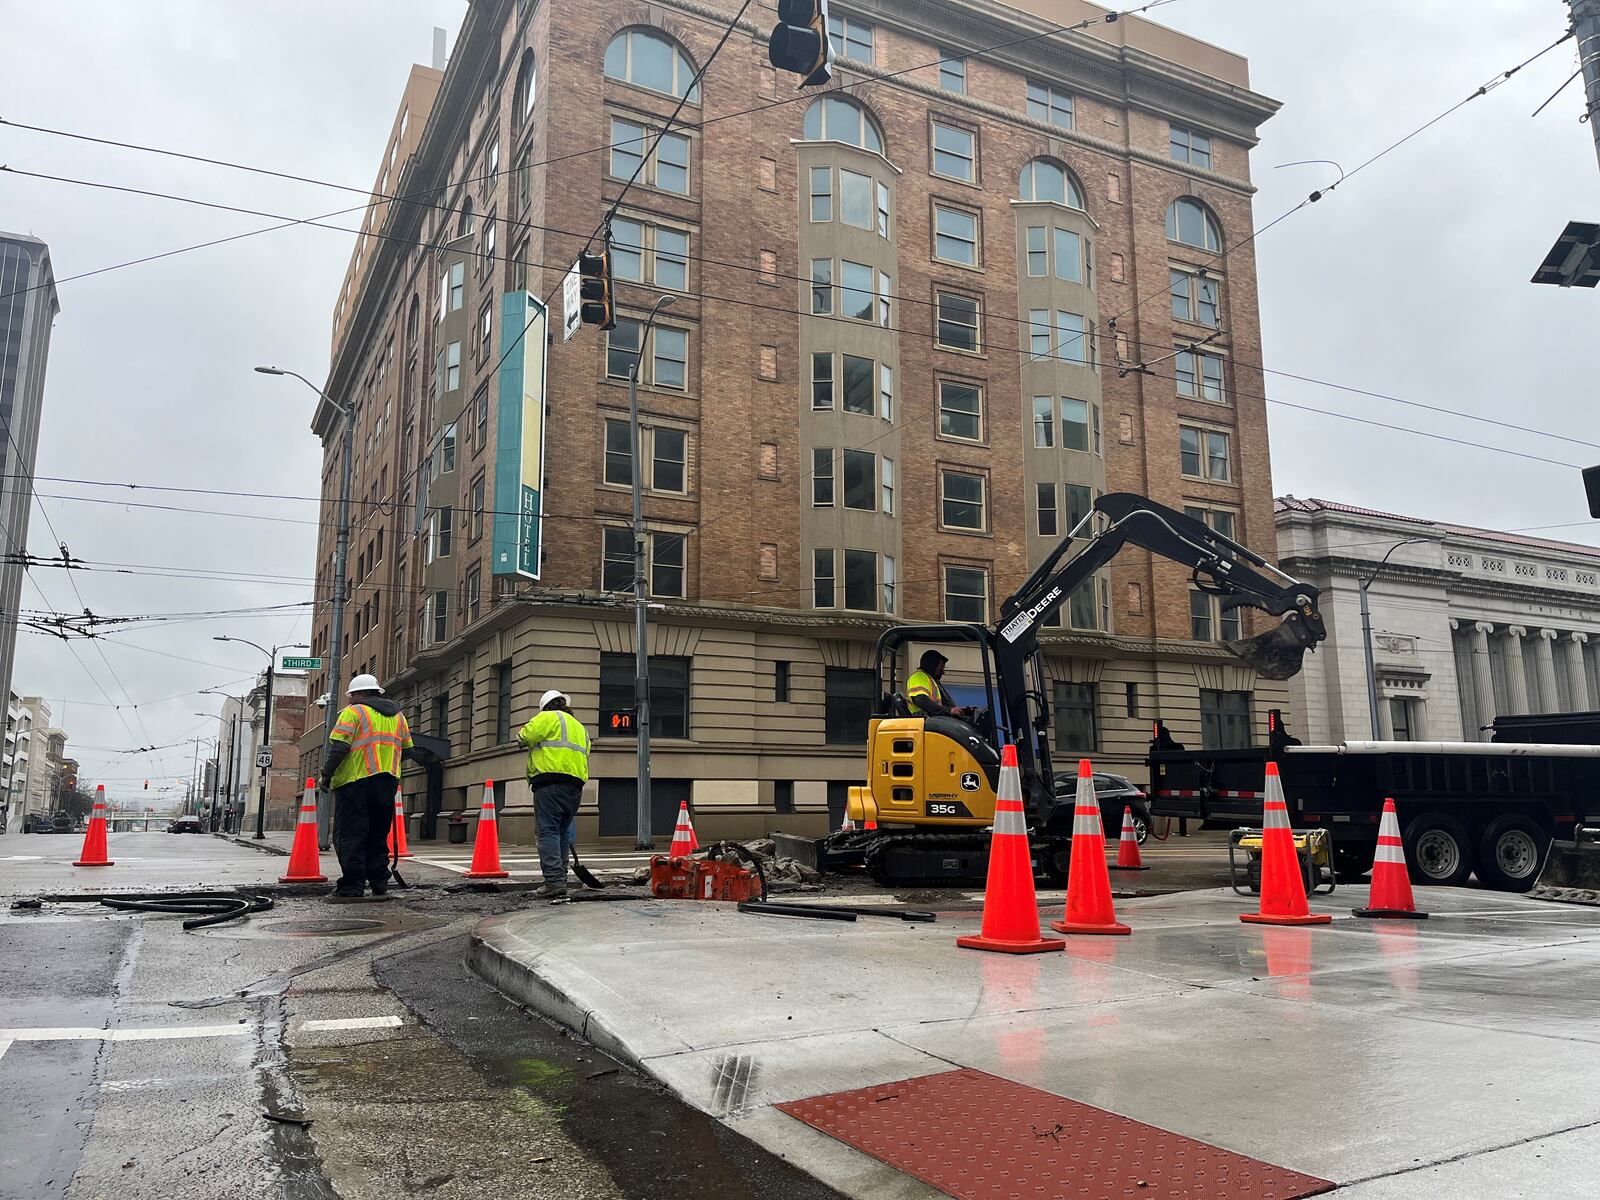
(147,785)
(1591,485)
(800,42)
(599,303)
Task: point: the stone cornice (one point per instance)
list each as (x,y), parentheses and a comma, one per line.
(1523,590)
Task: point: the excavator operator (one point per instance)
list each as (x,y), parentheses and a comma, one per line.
(924,695)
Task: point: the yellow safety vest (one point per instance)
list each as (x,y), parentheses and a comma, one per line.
(375,742)
(557,744)
(921,685)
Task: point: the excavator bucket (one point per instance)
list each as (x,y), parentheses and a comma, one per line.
(1571,869)
(1277,654)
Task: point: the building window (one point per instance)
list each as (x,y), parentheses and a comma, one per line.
(669,691)
(616,559)
(619,454)
(1083,608)
(489,228)
(646,59)
(855,293)
(485,331)
(474,593)
(966,594)
(855,199)
(1076,729)
(1194,298)
(1209,621)
(958,323)
(668,466)
(955,152)
(452,366)
(886,487)
(1199,617)
(479,491)
(527,90)
(439,531)
(1400,716)
(1038,254)
(861,580)
(1071,257)
(888,583)
(441,616)
(669,363)
(858,390)
(822,380)
(821,194)
(780,682)
(822,478)
(886,391)
(668,165)
(961,501)
(833,119)
(822,286)
(860,480)
(455,287)
(1219,520)
(1049,526)
(953,73)
(653,254)
(1046,103)
(883,210)
(1044,422)
(822,578)
(960,410)
(955,236)
(1224,719)
(1046,180)
(1191,147)
(850,37)
(1203,454)
(1080,500)
(1075,423)
(849,697)
(481,403)
(1199,375)
(502,703)
(1190,223)
(666,564)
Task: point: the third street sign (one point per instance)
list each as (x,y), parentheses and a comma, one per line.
(301,664)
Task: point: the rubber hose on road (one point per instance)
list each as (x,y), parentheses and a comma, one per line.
(215,907)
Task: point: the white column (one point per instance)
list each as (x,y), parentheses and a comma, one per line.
(1419,720)
(1516,674)
(1545,662)
(1482,679)
(1577,677)
(1385,718)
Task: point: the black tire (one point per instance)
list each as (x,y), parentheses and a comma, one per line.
(1438,851)
(1352,863)
(1141,824)
(1511,853)
(1057,859)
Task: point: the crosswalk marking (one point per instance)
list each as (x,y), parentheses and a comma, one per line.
(322,1026)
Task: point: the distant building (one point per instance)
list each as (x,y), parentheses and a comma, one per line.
(28,308)
(1467,624)
(27,727)
(284,780)
(235,741)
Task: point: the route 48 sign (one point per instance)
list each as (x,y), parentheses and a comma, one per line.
(264,759)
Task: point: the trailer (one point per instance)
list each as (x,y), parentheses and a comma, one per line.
(1484,808)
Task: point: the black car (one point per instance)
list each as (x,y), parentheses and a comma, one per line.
(1115,792)
(37,823)
(189,824)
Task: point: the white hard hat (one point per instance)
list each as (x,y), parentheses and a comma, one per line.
(552,694)
(365,683)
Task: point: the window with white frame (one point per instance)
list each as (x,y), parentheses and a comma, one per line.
(1075,423)
(1204,454)
(888,583)
(953,72)
(1045,508)
(1190,223)
(622,347)
(647,59)
(1044,179)
(861,580)
(856,296)
(666,564)
(452,366)
(1044,422)
(1209,621)
(856,203)
(822,477)
(860,480)
(645,252)
(966,593)
(886,391)
(836,119)
(668,166)
(1080,499)
(668,459)
(1194,298)
(1190,146)
(1199,375)
(955,152)
(858,374)
(616,559)
(669,357)
(822,579)
(961,500)
(822,380)
(851,37)
(955,235)
(957,325)
(821,194)
(960,410)
(822,286)
(886,489)
(1046,102)
(1221,520)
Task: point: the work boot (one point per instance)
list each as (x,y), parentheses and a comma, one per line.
(551,891)
(341,895)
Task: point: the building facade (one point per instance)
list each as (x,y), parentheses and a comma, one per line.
(285,779)
(28,308)
(1467,624)
(921,321)
(235,741)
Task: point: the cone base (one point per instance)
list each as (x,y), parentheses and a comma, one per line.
(104,862)
(487,875)
(1309,919)
(1114,929)
(302,879)
(407,854)
(1407,914)
(1037,946)
(1115,867)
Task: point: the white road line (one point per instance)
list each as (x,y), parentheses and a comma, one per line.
(350,1023)
(123,1035)
(458,868)
(5,1044)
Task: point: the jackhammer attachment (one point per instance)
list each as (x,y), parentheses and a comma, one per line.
(1571,867)
(1277,654)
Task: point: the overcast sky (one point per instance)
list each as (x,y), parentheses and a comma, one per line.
(1411,280)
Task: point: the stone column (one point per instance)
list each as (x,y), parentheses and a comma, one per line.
(1385,718)
(1516,675)
(1577,676)
(1545,661)
(1419,720)
(1482,679)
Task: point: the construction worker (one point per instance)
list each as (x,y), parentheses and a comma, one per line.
(558,767)
(923,693)
(363,768)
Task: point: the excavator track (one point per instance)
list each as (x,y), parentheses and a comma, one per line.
(916,859)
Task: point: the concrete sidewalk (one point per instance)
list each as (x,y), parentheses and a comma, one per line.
(1451,1056)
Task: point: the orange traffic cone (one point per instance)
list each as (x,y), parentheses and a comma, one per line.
(1128,845)
(1283,889)
(1010,909)
(1391,884)
(1089,907)
(397,830)
(486,847)
(684,843)
(94,838)
(304,865)
(849,826)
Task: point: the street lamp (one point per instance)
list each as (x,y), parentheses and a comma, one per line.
(341,554)
(266,721)
(641,670)
(1366,632)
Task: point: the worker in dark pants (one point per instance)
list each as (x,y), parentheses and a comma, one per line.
(558,767)
(365,750)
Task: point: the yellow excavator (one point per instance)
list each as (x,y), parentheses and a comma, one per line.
(931,780)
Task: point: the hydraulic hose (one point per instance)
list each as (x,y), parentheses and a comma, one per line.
(213,907)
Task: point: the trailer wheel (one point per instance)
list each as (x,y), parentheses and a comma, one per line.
(1438,850)
(1511,853)
(1352,863)
(1058,861)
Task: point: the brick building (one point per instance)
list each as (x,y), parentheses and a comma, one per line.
(892,380)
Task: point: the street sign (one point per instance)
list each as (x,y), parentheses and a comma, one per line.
(301,664)
(264,759)
(571,303)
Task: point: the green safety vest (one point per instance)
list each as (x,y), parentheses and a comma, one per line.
(923,685)
(375,742)
(557,744)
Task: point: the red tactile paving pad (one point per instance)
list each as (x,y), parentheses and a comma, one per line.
(978,1137)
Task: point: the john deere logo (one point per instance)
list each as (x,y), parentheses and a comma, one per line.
(969,781)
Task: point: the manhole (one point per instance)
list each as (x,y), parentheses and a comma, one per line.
(394,920)
(323,927)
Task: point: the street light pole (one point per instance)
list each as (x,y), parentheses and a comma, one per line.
(641,590)
(341,555)
(1366,633)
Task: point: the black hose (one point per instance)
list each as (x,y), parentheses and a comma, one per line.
(215,907)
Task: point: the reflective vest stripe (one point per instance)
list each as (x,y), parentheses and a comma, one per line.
(562,742)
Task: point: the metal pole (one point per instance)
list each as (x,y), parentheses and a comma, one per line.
(216,788)
(266,744)
(1586,25)
(1366,648)
(230,818)
(341,554)
(641,670)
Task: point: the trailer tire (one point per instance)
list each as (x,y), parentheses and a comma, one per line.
(1438,851)
(1057,859)
(1511,853)
(1352,862)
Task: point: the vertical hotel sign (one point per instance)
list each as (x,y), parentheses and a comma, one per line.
(519,437)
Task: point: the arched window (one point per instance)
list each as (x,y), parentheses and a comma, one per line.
(649,59)
(1046,179)
(527,90)
(1190,222)
(465,226)
(413,318)
(832,119)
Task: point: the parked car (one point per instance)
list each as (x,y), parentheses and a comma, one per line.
(1115,792)
(37,823)
(190,824)
(64,823)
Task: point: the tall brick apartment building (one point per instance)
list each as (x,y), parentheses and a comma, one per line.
(890,382)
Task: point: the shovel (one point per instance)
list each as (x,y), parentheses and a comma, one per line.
(585,876)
